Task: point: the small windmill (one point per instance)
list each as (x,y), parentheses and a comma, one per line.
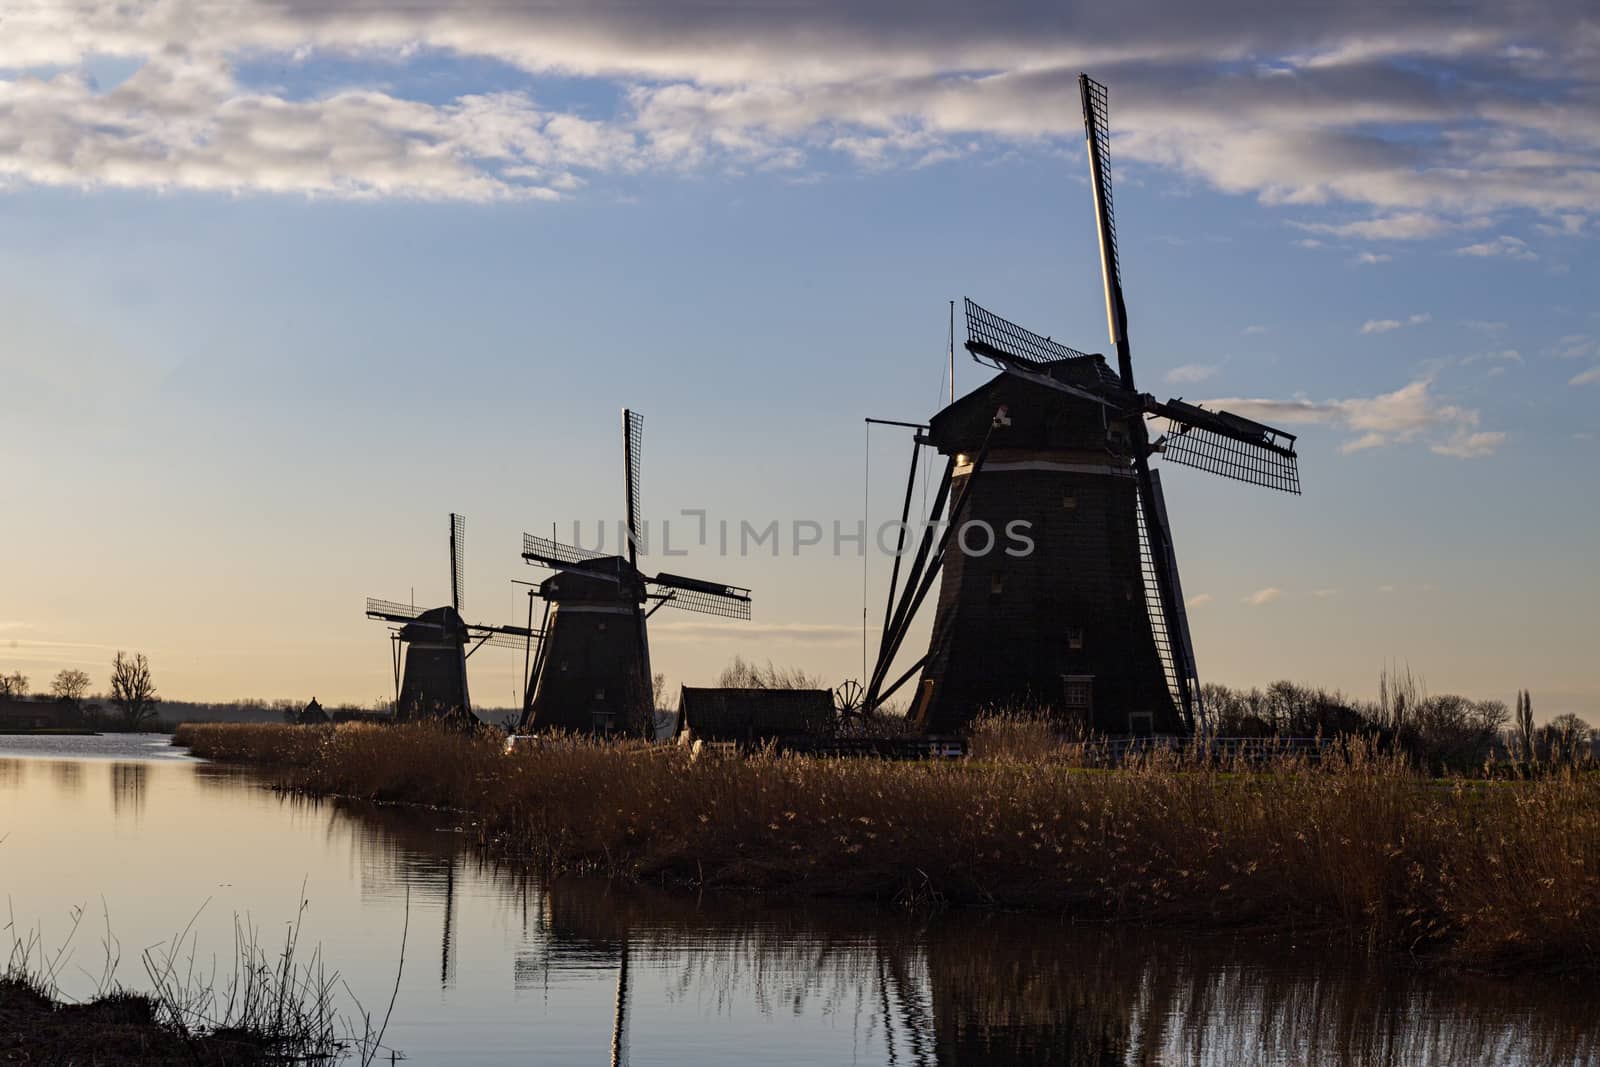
(431,646)
(1092,619)
(592,674)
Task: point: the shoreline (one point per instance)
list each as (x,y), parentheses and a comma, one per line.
(117,1028)
(1501,880)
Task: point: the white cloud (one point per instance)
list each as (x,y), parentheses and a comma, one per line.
(1385,325)
(185,123)
(1190,373)
(1263,596)
(1588,377)
(1324,594)
(1470,444)
(1368,258)
(1407,414)
(1405,226)
(1427,118)
(799,633)
(1254,330)
(1199,600)
(1576,346)
(1504,245)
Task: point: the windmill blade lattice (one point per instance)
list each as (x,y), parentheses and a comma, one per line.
(1097,126)
(506,638)
(996,339)
(707,598)
(632,457)
(555,553)
(392,610)
(1230,445)
(458,561)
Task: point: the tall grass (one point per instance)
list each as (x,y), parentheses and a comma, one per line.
(277,1006)
(1489,873)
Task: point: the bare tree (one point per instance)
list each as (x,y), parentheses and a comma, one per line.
(132,691)
(1525,725)
(70,684)
(743,675)
(14,685)
(1567,738)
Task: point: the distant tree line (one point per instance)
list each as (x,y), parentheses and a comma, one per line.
(1445,731)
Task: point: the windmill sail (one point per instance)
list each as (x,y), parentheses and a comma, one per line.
(707,598)
(1097,132)
(555,554)
(1181,671)
(632,456)
(504,636)
(1022,352)
(1230,445)
(391,610)
(458,561)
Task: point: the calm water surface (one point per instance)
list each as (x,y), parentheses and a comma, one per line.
(500,969)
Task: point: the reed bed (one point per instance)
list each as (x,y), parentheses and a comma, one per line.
(1492,874)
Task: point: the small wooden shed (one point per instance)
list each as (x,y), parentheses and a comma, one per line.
(754,716)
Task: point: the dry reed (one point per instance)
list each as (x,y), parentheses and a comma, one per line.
(1501,874)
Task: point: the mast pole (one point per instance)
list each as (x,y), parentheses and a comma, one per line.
(952,351)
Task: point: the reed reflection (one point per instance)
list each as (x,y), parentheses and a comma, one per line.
(67,776)
(961,989)
(130,784)
(13,772)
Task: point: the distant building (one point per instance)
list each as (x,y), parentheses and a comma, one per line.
(755,716)
(21,713)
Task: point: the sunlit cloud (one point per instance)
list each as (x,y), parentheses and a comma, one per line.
(1407,414)
(1386,325)
(872,85)
(1190,373)
(1263,597)
(800,633)
(1504,245)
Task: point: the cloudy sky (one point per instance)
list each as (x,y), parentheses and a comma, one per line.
(286,283)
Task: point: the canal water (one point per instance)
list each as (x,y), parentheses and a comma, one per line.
(502,969)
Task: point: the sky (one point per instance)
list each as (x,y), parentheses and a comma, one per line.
(285,284)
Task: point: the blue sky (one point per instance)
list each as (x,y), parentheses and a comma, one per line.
(284,289)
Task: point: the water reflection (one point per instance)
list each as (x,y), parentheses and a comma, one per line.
(963,989)
(13,773)
(130,782)
(68,776)
(576,971)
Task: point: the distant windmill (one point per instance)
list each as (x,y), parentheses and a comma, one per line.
(433,644)
(592,674)
(1091,621)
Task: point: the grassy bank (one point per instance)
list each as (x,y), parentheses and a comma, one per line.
(273,1008)
(1488,874)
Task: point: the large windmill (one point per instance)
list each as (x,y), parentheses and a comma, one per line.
(432,645)
(593,670)
(1089,618)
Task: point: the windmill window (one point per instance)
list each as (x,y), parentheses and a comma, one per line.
(599,694)
(1074,637)
(601,625)
(997,585)
(563,665)
(1070,502)
(1141,723)
(1078,691)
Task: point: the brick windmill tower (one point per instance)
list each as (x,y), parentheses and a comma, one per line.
(1083,612)
(593,670)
